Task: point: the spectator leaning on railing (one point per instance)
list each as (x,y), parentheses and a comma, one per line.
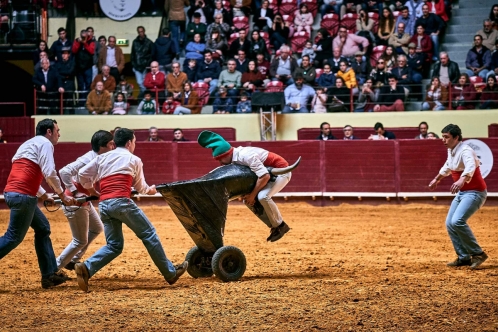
(66,69)
(47,83)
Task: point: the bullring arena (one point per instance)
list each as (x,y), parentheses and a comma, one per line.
(349,263)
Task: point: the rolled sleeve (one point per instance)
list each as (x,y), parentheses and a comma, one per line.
(139,180)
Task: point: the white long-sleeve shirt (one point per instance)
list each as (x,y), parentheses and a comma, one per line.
(41,151)
(252,157)
(118,161)
(69,173)
(461,158)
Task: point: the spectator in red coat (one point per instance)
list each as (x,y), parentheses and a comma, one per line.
(437,7)
(463,94)
(155,81)
(422,41)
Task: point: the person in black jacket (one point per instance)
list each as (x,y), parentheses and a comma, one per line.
(433,25)
(164,51)
(141,57)
(241,43)
(47,83)
(325,133)
(209,71)
(263,17)
(323,48)
(382,134)
(339,97)
(391,96)
(66,69)
(59,44)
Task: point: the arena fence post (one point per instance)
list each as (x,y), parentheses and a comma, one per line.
(450,97)
(34,101)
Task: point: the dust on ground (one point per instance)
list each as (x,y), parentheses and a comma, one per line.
(346,268)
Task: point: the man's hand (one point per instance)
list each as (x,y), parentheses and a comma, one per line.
(48,199)
(152,190)
(249,199)
(61,90)
(455,187)
(67,200)
(43,88)
(93,192)
(433,184)
(207,80)
(376,108)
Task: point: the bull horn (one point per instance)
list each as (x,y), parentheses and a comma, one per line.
(283,170)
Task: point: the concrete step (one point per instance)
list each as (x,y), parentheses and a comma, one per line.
(458,38)
(464,29)
(486,4)
(472,11)
(465,19)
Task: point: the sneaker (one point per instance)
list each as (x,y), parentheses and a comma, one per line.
(70,266)
(82,276)
(53,280)
(459,262)
(180,269)
(478,260)
(280,231)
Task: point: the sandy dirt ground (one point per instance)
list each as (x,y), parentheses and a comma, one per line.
(345,268)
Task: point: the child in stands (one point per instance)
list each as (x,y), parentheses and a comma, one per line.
(120,106)
(147,105)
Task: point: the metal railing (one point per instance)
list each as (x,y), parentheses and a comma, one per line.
(74,102)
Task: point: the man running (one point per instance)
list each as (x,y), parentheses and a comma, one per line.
(117,171)
(33,162)
(463,165)
(257,159)
(84,221)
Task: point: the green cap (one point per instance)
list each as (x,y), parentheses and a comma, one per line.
(210,140)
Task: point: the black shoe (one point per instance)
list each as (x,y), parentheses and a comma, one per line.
(82,276)
(459,262)
(53,280)
(478,260)
(272,231)
(280,231)
(70,266)
(180,269)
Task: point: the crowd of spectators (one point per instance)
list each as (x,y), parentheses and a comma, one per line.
(374,60)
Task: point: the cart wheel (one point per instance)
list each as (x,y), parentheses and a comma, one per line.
(229,263)
(199,263)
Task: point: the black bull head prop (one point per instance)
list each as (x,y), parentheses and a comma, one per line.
(201,204)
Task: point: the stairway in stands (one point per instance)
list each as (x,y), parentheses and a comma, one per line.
(467,19)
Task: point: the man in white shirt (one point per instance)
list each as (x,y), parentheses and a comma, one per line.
(117,171)
(463,165)
(257,160)
(84,221)
(33,162)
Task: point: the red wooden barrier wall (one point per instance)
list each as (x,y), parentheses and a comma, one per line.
(493,130)
(360,132)
(17,129)
(337,166)
(189,134)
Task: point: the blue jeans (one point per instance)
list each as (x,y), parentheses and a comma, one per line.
(288,109)
(483,73)
(435,42)
(84,81)
(464,205)
(177,33)
(324,9)
(24,213)
(427,107)
(140,77)
(116,211)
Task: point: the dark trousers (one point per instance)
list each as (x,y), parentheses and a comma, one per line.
(84,79)
(115,73)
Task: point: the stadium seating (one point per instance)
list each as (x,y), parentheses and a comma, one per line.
(288,7)
(274,86)
(241,23)
(376,54)
(298,41)
(202,90)
(375,17)
(330,22)
(349,22)
(312,6)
